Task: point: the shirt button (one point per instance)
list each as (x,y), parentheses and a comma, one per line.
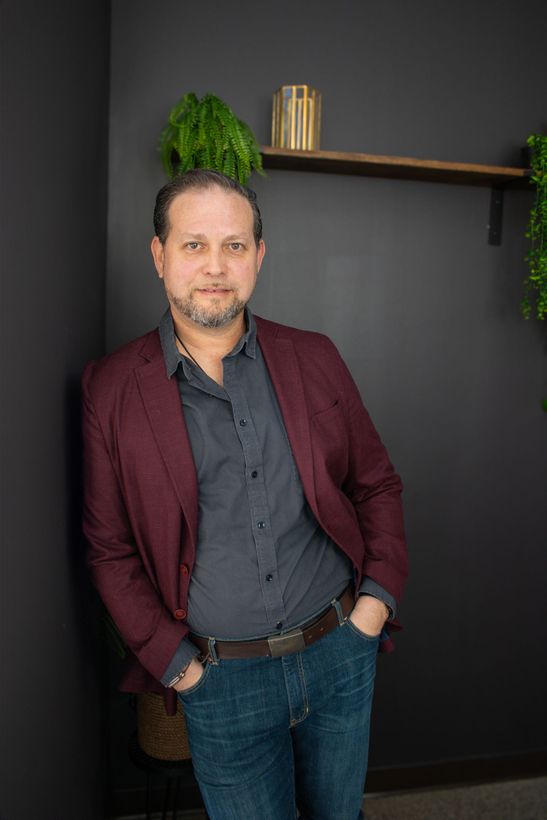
(261,525)
(184,569)
(269,577)
(279,624)
(180,614)
(242,422)
(254,474)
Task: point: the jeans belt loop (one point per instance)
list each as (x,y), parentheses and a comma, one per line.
(287,643)
(338,607)
(213,657)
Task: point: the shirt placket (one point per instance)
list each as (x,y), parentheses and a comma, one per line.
(258,499)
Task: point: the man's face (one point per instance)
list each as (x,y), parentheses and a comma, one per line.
(209,261)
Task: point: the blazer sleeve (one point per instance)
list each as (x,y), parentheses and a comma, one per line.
(374,489)
(117,569)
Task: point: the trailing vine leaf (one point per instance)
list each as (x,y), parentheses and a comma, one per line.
(182,140)
(183,109)
(166,140)
(535,284)
(206,134)
(229,164)
(255,155)
(220,147)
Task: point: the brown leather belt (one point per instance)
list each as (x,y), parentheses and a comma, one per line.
(294,641)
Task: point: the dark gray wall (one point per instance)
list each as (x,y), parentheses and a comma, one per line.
(54,163)
(401,276)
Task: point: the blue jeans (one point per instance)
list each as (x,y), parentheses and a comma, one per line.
(268,734)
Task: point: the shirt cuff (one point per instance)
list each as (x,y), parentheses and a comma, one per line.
(185,653)
(370,587)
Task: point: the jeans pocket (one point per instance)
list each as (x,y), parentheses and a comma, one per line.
(198,685)
(363,635)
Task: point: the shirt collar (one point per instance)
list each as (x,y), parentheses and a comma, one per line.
(172,357)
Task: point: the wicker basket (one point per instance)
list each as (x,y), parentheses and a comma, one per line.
(160,735)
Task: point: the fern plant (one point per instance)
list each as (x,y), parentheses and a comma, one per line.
(535,283)
(206,134)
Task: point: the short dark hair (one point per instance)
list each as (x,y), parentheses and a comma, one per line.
(200,179)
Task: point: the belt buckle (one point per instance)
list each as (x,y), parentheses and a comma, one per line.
(286,644)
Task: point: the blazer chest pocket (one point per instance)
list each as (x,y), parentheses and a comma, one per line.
(330,441)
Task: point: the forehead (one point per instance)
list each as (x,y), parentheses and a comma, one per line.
(211,210)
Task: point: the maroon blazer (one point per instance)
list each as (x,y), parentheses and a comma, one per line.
(141,494)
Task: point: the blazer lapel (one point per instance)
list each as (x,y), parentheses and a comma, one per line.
(161,399)
(282,363)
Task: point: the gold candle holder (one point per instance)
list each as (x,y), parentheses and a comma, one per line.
(296,118)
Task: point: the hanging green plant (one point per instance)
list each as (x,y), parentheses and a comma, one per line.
(535,284)
(206,134)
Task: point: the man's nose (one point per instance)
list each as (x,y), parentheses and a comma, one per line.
(215,261)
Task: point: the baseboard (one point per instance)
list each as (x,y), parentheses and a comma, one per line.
(132,802)
(450,772)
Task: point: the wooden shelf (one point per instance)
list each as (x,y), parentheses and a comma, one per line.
(375,165)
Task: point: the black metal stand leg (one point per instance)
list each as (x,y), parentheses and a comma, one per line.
(166,799)
(175,776)
(147,796)
(176,800)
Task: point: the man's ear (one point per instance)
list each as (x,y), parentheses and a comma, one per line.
(157,254)
(260,254)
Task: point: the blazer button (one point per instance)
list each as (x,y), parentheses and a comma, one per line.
(184,569)
(180,614)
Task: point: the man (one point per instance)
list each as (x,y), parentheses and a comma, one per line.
(244,522)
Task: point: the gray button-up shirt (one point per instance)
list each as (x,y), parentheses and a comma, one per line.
(263,563)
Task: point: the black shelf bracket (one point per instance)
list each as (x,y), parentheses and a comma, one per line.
(496,216)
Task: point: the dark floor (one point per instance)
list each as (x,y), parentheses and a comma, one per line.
(511,800)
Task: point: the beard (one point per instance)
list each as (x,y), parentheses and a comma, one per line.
(214,315)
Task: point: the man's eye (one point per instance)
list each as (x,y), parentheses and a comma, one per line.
(236,246)
(192,245)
